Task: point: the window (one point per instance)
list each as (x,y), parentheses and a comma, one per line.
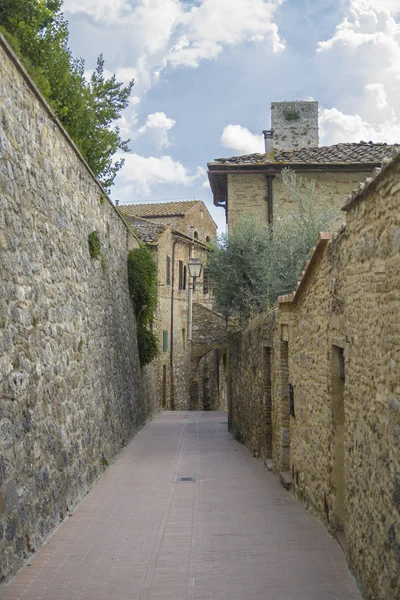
(184,277)
(184,338)
(165,340)
(208,239)
(168,270)
(196,235)
(206,283)
(181,285)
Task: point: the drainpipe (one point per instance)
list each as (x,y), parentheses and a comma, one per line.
(171,344)
(190,292)
(270,198)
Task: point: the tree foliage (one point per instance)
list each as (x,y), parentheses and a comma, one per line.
(142,278)
(258,262)
(38,33)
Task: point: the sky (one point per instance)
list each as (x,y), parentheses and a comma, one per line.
(206,72)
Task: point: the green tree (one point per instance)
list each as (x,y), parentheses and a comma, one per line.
(38,33)
(258,262)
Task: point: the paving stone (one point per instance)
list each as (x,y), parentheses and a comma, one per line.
(234,533)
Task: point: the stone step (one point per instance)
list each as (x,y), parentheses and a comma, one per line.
(286,479)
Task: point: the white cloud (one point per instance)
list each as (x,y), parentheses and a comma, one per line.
(365,48)
(172,32)
(241,140)
(158,124)
(141,173)
(214,24)
(337,127)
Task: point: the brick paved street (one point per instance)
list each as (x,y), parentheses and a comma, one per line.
(233,534)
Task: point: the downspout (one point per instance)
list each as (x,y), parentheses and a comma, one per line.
(190,293)
(171,344)
(269,157)
(270,198)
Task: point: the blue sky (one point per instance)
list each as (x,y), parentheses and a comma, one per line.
(206,72)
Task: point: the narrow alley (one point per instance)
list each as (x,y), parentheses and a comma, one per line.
(233,533)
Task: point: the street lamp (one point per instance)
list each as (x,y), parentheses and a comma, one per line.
(195,267)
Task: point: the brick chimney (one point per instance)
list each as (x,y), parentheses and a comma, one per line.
(295,125)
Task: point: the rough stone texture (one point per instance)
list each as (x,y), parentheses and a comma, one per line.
(208,379)
(249,398)
(69,370)
(295,124)
(330,187)
(248,194)
(341,447)
(182,216)
(173,365)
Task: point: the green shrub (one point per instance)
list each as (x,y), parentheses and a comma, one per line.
(142,279)
(147,344)
(94,245)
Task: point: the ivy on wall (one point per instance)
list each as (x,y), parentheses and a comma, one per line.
(142,278)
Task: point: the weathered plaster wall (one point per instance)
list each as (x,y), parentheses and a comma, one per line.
(69,371)
(341,447)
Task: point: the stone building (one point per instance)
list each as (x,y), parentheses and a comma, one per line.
(314,386)
(174,231)
(252,184)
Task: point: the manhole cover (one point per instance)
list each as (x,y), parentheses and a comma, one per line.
(186,479)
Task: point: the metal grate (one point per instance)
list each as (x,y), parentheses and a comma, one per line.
(186,479)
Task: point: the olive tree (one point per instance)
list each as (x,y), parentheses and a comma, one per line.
(257,261)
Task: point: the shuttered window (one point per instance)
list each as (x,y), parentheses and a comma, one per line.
(165,340)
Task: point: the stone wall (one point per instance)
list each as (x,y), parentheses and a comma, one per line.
(69,372)
(248,194)
(208,384)
(211,379)
(295,124)
(337,341)
(249,385)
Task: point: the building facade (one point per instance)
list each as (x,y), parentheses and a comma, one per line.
(314,385)
(252,184)
(176,231)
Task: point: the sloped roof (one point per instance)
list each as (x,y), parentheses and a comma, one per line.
(350,153)
(146,231)
(159,209)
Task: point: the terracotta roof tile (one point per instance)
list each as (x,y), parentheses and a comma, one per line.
(160,209)
(146,231)
(351,153)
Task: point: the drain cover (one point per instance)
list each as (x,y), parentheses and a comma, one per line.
(186,479)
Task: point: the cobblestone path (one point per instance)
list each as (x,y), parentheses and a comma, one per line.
(232,534)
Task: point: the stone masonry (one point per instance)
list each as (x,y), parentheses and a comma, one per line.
(294,124)
(70,394)
(336,340)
